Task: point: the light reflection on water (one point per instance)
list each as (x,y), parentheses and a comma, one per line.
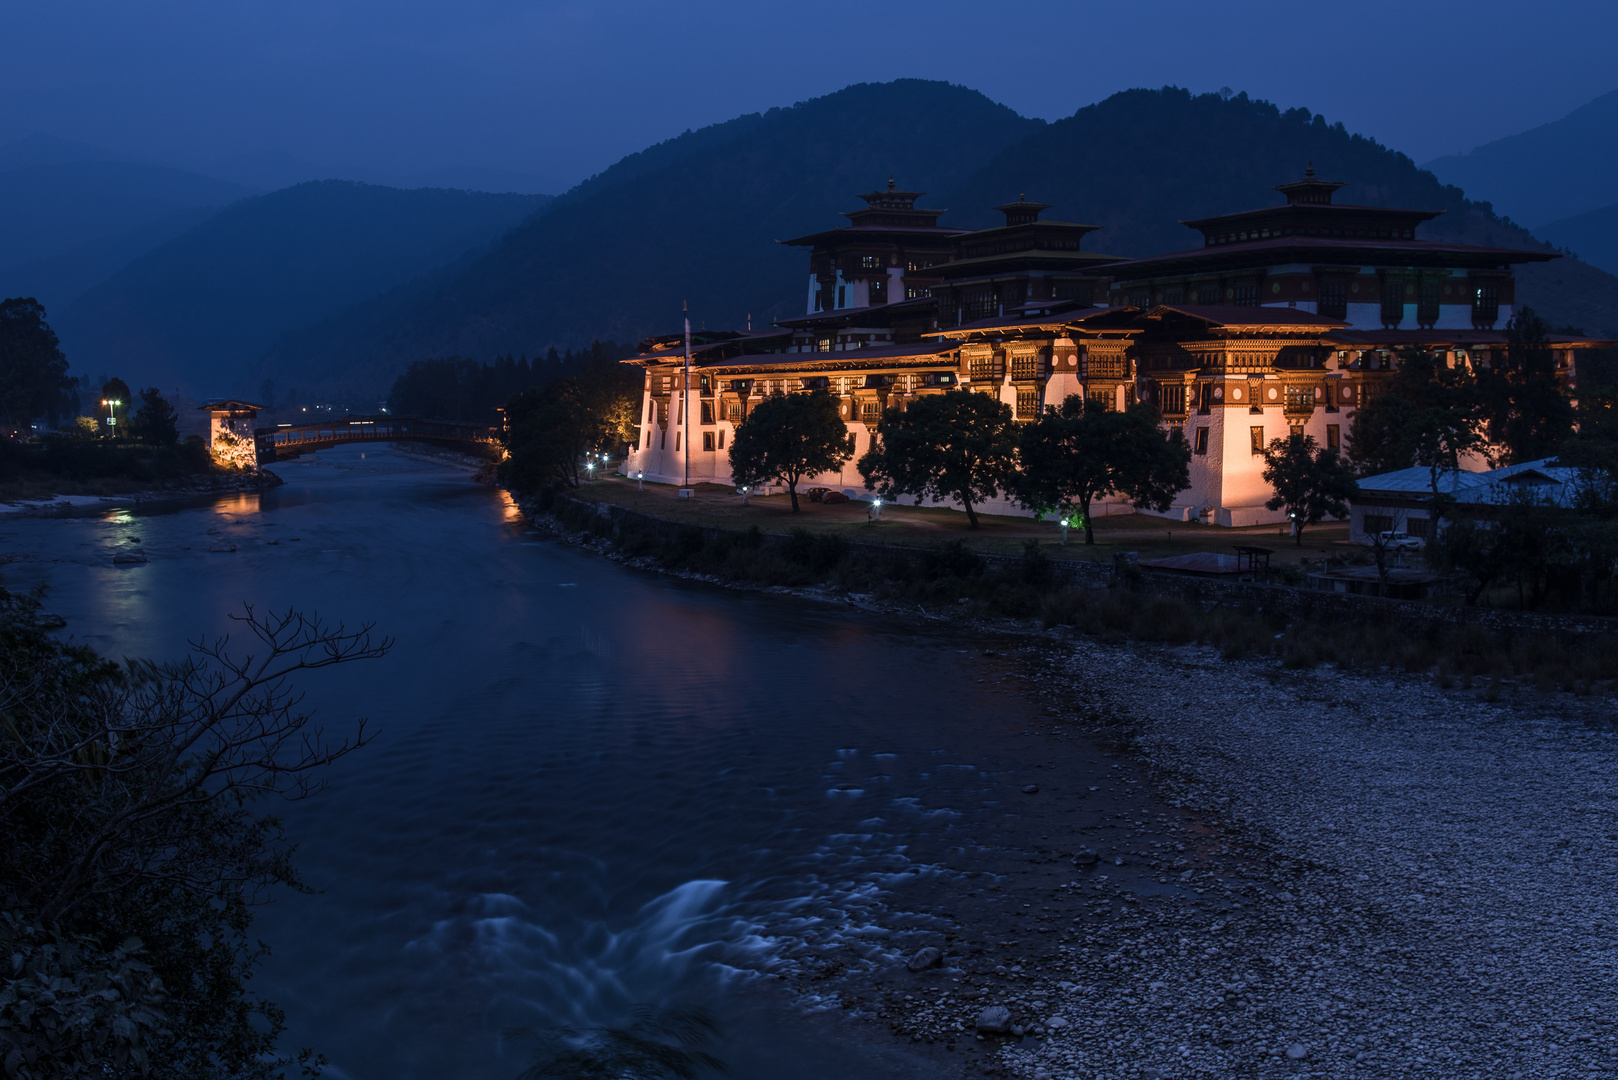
(580,798)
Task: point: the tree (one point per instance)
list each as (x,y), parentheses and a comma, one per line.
(133,858)
(787,438)
(552,430)
(1086,451)
(959,445)
(1528,414)
(1429,414)
(156,422)
(34,383)
(657,1044)
(1310,481)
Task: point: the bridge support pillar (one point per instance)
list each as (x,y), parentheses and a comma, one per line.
(231,440)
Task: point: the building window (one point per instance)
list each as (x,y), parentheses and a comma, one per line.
(1141,298)
(1244,295)
(676,442)
(870,262)
(1026,367)
(1171,398)
(733,411)
(879,291)
(721,438)
(1393,302)
(707,441)
(1334,437)
(1417,527)
(984,368)
(1300,397)
(842,296)
(1027,404)
(1208,292)
(870,411)
(1427,308)
(707,412)
(648,438)
(663,439)
(1202,440)
(1174,294)
(1333,298)
(1378,523)
(1256,437)
(1485,305)
(914,292)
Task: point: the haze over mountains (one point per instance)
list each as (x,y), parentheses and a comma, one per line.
(339,286)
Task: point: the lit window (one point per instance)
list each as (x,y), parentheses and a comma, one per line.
(1256,434)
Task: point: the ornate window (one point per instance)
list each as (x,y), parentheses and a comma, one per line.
(1485,305)
(1028,404)
(1171,398)
(1255,436)
(1202,440)
(1333,298)
(1427,307)
(1208,293)
(1393,302)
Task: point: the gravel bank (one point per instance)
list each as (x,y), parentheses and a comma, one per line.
(1376,877)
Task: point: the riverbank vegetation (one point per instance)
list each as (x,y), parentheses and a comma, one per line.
(455,388)
(951,581)
(136,844)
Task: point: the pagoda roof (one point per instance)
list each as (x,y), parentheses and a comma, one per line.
(231,405)
(1238,318)
(1278,250)
(1041,255)
(851,316)
(1393,339)
(874,233)
(1048,315)
(925,351)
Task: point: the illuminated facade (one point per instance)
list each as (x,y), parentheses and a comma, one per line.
(1282,322)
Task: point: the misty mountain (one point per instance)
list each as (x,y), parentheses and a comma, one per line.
(694,218)
(52,208)
(59,280)
(1552,172)
(196,311)
(1593,237)
(41,149)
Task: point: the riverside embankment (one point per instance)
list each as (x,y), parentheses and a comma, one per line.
(1317,872)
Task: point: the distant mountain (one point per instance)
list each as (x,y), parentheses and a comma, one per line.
(1554,171)
(199,309)
(41,149)
(694,218)
(1593,237)
(1142,161)
(49,209)
(58,280)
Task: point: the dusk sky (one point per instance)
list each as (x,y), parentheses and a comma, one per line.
(562,89)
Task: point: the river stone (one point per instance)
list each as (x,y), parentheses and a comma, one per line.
(1056,1023)
(925,958)
(1031,789)
(994,1020)
(1086,858)
(1297,1051)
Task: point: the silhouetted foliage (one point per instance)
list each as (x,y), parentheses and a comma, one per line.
(455,388)
(155,422)
(1528,414)
(959,445)
(132,855)
(658,1044)
(1310,481)
(788,437)
(552,430)
(1428,414)
(34,383)
(1085,451)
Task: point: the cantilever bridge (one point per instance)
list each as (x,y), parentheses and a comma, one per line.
(281,443)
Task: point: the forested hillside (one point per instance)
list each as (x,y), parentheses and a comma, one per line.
(695,218)
(199,310)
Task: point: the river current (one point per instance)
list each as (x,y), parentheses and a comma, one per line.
(589,786)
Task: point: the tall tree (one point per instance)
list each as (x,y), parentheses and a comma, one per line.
(959,445)
(1310,481)
(552,430)
(787,438)
(34,383)
(1428,415)
(1528,413)
(155,422)
(1086,451)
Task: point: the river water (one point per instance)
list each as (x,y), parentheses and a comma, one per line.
(589,787)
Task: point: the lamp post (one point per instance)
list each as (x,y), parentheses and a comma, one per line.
(590,470)
(640,480)
(743,489)
(876,511)
(112,412)
(1064,532)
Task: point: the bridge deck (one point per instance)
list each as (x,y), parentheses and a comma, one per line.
(284,442)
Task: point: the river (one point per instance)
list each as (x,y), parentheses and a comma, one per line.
(589,786)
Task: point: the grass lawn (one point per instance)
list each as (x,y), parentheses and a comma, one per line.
(720,507)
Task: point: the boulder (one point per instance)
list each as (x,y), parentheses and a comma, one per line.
(994,1020)
(925,958)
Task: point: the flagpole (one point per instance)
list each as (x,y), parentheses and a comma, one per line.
(685,405)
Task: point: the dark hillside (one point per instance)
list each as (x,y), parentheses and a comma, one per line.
(1593,237)
(695,218)
(1557,170)
(1143,160)
(198,310)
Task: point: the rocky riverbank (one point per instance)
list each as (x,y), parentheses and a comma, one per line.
(180,489)
(1279,873)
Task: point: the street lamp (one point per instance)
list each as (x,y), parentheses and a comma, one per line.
(876,510)
(590,469)
(112,411)
(743,490)
(1064,532)
(640,476)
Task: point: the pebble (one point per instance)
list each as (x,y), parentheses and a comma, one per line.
(924,958)
(996,1020)
(1030,789)
(1297,1051)
(1085,857)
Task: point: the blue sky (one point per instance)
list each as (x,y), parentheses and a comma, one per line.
(562,89)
